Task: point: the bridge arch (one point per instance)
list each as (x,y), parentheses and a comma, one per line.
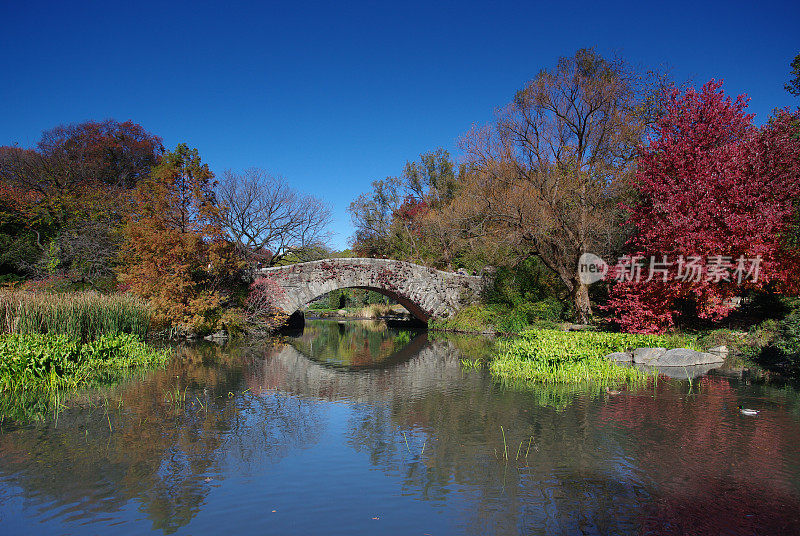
(425,292)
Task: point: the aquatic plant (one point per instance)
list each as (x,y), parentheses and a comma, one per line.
(35,368)
(84,316)
(471,364)
(551,356)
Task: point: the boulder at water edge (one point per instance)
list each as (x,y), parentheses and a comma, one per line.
(684,357)
(620,356)
(647,356)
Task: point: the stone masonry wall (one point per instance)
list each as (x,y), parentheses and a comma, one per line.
(425,292)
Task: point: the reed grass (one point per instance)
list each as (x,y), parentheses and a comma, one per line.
(376,310)
(83,316)
(471,364)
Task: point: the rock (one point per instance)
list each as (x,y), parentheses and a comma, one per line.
(684,357)
(218,336)
(682,373)
(620,356)
(341,312)
(647,356)
(719,350)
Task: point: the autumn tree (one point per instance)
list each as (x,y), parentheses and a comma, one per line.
(174,254)
(714,190)
(793,86)
(72,192)
(267,220)
(401,217)
(547,174)
(372,214)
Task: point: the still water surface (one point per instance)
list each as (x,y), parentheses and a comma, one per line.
(356,428)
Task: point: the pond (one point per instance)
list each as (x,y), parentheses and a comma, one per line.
(359,428)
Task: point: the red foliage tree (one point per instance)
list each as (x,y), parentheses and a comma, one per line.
(71,193)
(411,213)
(713,187)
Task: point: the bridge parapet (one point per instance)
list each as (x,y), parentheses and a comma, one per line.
(425,292)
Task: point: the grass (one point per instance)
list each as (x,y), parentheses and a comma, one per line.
(552,356)
(54,344)
(375,310)
(470,319)
(471,364)
(83,316)
(36,369)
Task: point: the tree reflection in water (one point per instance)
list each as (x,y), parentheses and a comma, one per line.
(160,442)
(353,345)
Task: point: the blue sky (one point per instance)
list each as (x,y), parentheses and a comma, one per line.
(335,95)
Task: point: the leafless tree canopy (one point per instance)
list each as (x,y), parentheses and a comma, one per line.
(267,219)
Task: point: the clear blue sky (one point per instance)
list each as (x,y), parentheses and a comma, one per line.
(335,95)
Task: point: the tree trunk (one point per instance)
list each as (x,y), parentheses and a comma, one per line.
(580,299)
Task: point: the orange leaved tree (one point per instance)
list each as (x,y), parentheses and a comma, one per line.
(173,253)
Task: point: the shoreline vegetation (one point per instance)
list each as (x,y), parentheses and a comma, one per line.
(549,356)
(51,344)
(765,333)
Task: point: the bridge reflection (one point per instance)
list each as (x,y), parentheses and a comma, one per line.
(355,363)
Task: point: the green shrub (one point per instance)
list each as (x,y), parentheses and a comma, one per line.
(776,342)
(548,309)
(528,281)
(788,335)
(472,318)
(510,321)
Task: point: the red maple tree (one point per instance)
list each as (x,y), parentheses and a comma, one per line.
(711,186)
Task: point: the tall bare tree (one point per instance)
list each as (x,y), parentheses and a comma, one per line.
(267,219)
(548,172)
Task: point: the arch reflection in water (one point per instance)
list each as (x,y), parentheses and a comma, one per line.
(358,344)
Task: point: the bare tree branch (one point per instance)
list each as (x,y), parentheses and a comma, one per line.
(266,218)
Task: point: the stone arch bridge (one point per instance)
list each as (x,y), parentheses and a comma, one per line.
(425,292)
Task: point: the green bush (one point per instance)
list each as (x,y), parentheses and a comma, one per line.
(788,335)
(510,321)
(472,318)
(528,281)
(776,342)
(501,318)
(548,309)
